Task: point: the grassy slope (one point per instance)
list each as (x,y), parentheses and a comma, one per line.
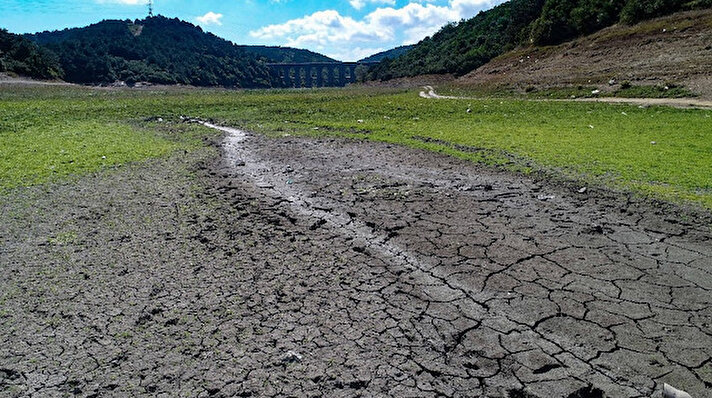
(596,142)
(49,133)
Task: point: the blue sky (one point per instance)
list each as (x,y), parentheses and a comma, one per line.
(343,29)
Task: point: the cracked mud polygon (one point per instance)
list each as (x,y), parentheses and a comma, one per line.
(342,268)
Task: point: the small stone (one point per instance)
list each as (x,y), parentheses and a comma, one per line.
(292,356)
(597,229)
(672,392)
(583,190)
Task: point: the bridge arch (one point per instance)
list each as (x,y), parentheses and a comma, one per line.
(315,74)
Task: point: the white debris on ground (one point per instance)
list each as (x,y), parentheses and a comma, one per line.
(672,392)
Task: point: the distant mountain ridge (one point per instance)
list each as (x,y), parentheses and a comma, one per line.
(164,51)
(392,53)
(279,55)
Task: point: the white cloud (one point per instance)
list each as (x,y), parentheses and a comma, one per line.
(409,24)
(359,4)
(210,18)
(321,28)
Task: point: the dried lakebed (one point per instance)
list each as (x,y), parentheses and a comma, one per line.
(302,267)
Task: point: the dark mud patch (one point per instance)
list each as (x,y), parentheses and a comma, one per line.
(587,392)
(447,144)
(546,368)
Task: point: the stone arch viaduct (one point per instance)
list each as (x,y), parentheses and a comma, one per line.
(316,74)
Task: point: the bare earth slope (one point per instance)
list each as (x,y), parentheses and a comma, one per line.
(6,79)
(335,268)
(676,49)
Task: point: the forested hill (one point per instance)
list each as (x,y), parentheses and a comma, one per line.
(392,53)
(459,48)
(156,49)
(162,50)
(21,56)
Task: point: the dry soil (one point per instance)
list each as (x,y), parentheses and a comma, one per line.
(341,268)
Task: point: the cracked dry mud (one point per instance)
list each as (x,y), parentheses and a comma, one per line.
(338,268)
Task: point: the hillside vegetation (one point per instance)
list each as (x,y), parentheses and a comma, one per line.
(664,52)
(462,47)
(23,57)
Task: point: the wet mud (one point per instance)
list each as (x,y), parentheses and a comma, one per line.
(339,268)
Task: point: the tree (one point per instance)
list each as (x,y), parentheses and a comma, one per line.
(21,56)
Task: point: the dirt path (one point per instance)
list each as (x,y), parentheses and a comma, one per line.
(300,267)
(673,102)
(430,93)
